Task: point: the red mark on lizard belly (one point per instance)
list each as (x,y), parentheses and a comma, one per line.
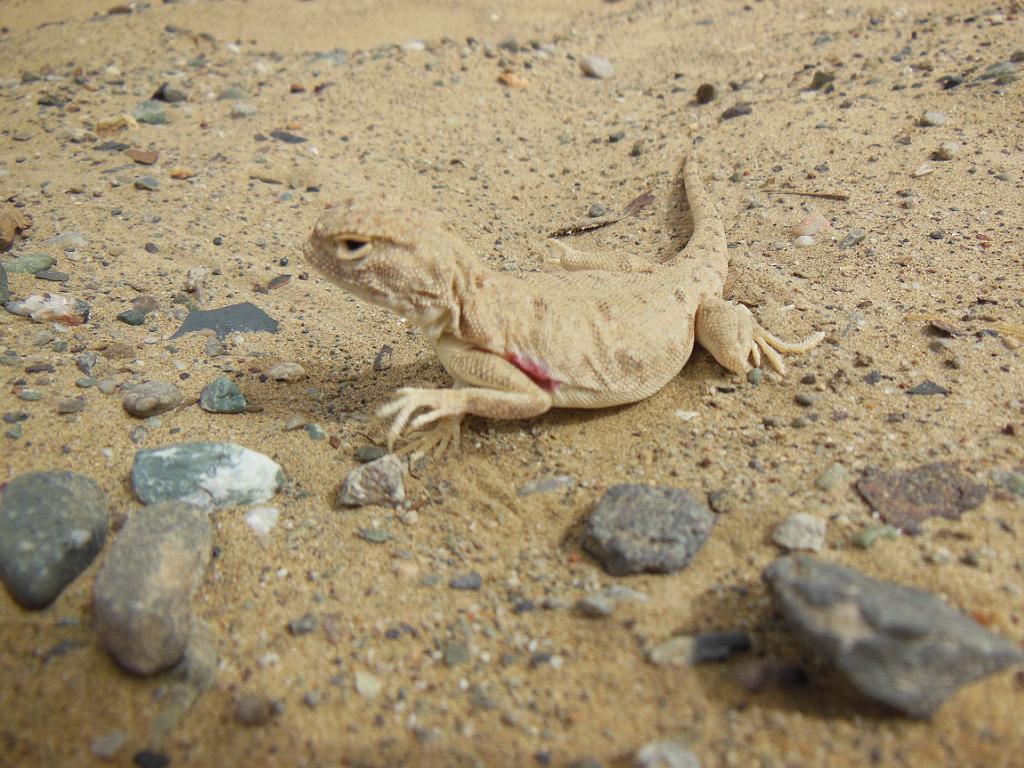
(536,370)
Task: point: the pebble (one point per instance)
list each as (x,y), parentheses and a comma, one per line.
(1010,480)
(596,66)
(286,372)
(147,758)
(803,241)
(811,224)
(71,240)
(262,519)
(468,581)
(144,590)
(367,453)
(134,317)
(903,647)
(665,754)
(596,211)
(5,291)
(706,93)
(1003,71)
(690,650)
(377,482)
(604,603)
(641,528)
(801,531)
(737,110)
(822,80)
(150,112)
(851,239)
(151,398)
(908,498)
(243,109)
(52,525)
(832,478)
(932,119)
(946,151)
(59,307)
(29,263)
(170,94)
(53,276)
(86,362)
(546,485)
(368,686)
(233,93)
(222,395)
(108,745)
(205,474)
(253,710)
(147,182)
(455,653)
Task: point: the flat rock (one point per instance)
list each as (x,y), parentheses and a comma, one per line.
(908,498)
(205,474)
(377,482)
(900,646)
(641,528)
(245,317)
(144,590)
(52,524)
(29,263)
(151,398)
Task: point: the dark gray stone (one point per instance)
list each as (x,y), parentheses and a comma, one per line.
(5,292)
(897,645)
(52,524)
(241,318)
(144,589)
(469,581)
(205,474)
(642,528)
(29,263)
(222,395)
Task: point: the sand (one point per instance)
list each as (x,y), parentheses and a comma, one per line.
(436,129)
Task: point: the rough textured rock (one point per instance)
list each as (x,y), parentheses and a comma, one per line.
(222,396)
(52,524)
(897,645)
(144,589)
(640,528)
(801,531)
(909,498)
(379,482)
(205,474)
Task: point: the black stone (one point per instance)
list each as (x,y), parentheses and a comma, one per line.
(242,318)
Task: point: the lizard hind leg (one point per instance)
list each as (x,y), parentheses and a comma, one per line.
(573,260)
(737,341)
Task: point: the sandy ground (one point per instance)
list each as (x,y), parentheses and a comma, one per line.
(505,166)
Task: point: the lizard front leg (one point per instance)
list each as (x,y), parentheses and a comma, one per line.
(736,340)
(488,385)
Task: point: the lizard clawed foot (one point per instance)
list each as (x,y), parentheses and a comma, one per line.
(439,404)
(771,346)
(737,341)
(444,435)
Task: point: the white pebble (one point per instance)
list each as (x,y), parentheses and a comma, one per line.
(803,241)
(595,66)
(801,531)
(262,519)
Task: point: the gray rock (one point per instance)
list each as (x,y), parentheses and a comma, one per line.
(467,581)
(640,528)
(1010,480)
(222,395)
(665,754)
(854,237)
(151,112)
(29,263)
(205,474)
(151,398)
(377,482)
(603,603)
(72,240)
(52,524)
(245,317)
(832,478)
(596,66)
(148,183)
(107,746)
(690,650)
(144,589)
(5,292)
(897,645)
(801,531)
(932,119)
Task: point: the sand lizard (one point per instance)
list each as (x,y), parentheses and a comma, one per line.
(607,330)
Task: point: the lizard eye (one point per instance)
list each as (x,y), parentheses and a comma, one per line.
(354,246)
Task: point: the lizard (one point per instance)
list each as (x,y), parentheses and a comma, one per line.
(606,330)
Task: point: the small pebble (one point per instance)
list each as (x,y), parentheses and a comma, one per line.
(151,398)
(932,119)
(706,93)
(801,531)
(595,66)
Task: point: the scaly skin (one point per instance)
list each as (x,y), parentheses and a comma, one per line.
(607,331)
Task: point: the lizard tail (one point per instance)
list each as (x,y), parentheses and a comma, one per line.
(708,239)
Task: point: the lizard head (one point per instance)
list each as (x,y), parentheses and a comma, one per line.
(396,257)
